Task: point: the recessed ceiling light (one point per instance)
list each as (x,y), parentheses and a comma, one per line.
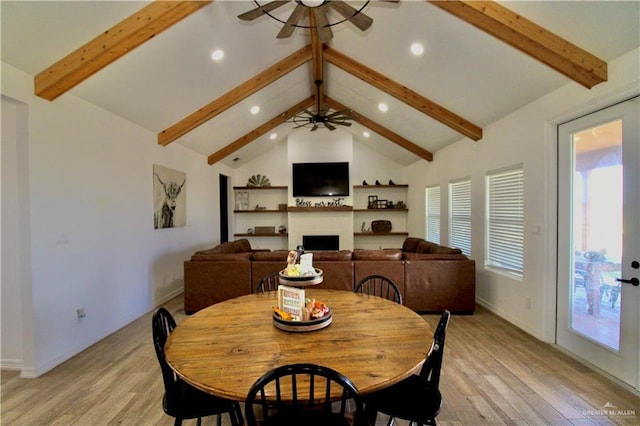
(366,134)
(417,49)
(383,107)
(272,136)
(217,54)
(255,109)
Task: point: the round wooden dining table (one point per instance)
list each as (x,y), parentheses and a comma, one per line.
(225,348)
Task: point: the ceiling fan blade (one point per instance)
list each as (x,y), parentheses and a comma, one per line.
(359,19)
(261,10)
(329,126)
(314,128)
(345,112)
(293,20)
(343,123)
(322,24)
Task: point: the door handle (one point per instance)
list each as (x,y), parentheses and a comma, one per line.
(633,281)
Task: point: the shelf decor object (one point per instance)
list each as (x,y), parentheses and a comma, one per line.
(262,230)
(258,181)
(372,201)
(381,226)
(242,200)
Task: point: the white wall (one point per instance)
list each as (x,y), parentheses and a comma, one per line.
(527,136)
(322,146)
(15,215)
(91,237)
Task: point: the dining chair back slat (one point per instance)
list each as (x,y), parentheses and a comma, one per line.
(379,285)
(304,394)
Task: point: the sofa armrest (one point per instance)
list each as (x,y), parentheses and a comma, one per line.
(207,283)
(436,285)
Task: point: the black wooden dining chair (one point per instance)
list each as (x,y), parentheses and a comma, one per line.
(268,283)
(304,394)
(379,285)
(416,398)
(182,400)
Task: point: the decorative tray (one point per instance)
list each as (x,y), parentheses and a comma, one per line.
(301,281)
(303,326)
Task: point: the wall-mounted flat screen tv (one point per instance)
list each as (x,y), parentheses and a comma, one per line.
(320,179)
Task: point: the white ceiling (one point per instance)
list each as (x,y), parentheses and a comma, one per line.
(167,78)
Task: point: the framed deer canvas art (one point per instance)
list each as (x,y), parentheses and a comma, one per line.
(169,198)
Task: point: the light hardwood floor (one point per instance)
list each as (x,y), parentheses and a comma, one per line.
(493,374)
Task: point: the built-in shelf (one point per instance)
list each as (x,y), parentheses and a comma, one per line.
(244,188)
(284,234)
(381,210)
(319,209)
(377,234)
(378,186)
(259,211)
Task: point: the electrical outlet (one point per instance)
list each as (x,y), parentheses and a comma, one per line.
(81,313)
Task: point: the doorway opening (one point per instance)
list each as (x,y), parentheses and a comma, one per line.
(224,208)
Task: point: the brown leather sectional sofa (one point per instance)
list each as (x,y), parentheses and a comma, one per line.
(430,277)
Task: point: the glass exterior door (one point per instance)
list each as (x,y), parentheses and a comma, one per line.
(598,225)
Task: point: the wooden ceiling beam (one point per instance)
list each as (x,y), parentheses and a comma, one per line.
(259,131)
(382,131)
(234,96)
(316,52)
(114,43)
(530,38)
(403,94)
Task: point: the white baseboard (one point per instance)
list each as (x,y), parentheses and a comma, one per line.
(164,299)
(508,318)
(11,364)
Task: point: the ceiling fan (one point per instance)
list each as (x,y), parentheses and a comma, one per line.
(308,118)
(319,9)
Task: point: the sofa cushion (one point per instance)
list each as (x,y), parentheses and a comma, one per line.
(233,257)
(445,250)
(386,254)
(270,256)
(434,256)
(410,244)
(226,247)
(331,255)
(242,245)
(426,247)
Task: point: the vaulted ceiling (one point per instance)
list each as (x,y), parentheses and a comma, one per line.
(150,63)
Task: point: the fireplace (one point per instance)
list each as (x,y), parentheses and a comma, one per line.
(321,242)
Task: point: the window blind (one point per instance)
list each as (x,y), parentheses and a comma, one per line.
(505,220)
(433,214)
(460,215)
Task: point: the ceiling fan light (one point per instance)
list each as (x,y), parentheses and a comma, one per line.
(312,3)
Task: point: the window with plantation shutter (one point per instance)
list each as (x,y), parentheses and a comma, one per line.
(432,208)
(505,220)
(460,215)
